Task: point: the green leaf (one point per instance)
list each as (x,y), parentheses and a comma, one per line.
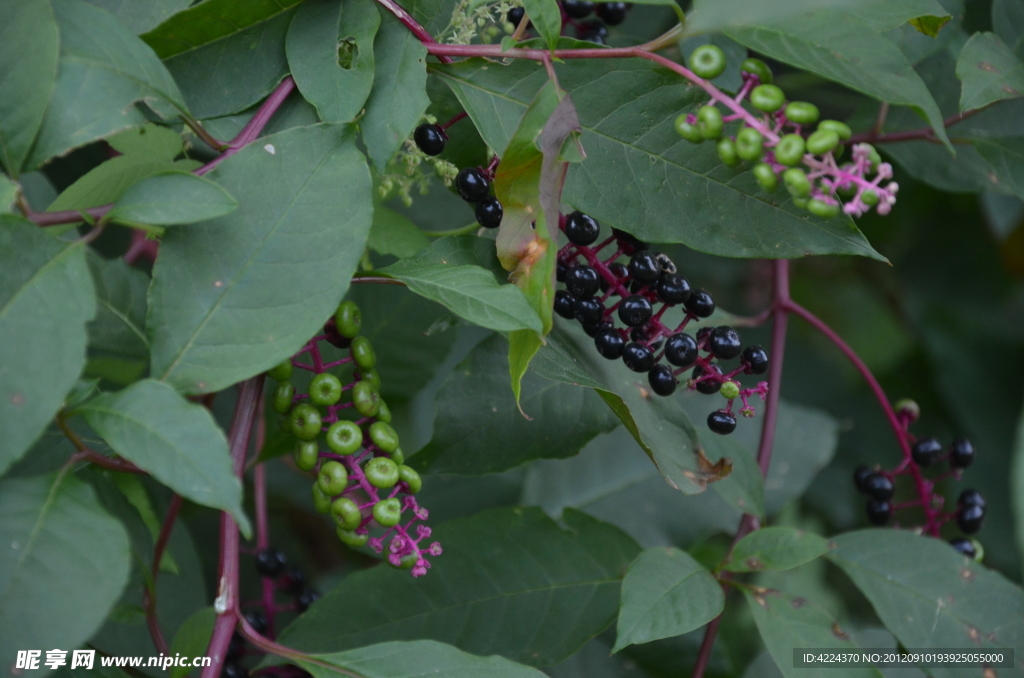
(665,593)
(442,273)
(141,15)
(416,659)
(394,234)
(1017,483)
(1008,23)
(989,72)
(193,638)
(104,70)
(929,595)
(46,298)
(28,60)
(1006,158)
(930,25)
(479,428)
(176,441)
(64,563)
(535,594)
(8,194)
(638,174)
(207,22)
(744,488)
(135,493)
(786,621)
(775,548)
(119,327)
(881,15)
(318,31)
(280,266)
(546,17)
(399,94)
(171,198)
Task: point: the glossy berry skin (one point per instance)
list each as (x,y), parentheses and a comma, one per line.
(710,122)
(662,381)
(688,130)
(270,562)
(708,386)
(383,436)
(366,399)
(860,478)
(964,546)
(233,670)
(411,478)
(767,98)
(332,478)
(790,149)
(971,498)
(635,311)
(306,598)
(565,304)
(283,395)
(840,128)
(321,502)
(970,518)
(381,472)
(471,184)
(561,268)
(644,268)
(324,389)
(822,141)
(350,538)
(388,512)
(879,512)
(725,343)
(593,31)
(256,620)
(758,68)
(879,487)
(766,177)
(797,183)
(429,138)
(609,344)
(593,330)
(730,390)
(727,152)
(306,454)
(673,288)
(721,422)
(926,451)
(581,229)
(802,113)
(961,453)
(348,320)
(612,13)
(589,311)
(515,15)
(637,357)
(578,9)
(681,350)
(749,144)
(707,61)
(363,354)
(281,372)
(346,513)
(305,421)
(489,213)
(756,358)
(582,281)
(344,437)
(700,303)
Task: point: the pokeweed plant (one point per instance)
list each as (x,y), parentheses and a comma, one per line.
(247,248)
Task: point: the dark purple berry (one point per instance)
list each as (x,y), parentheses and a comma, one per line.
(270,562)
(293,580)
(879,512)
(926,451)
(964,546)
(628,242)
(635,311)
(581,229)
(256,620)
(724,342)
(592,31)
(589,311)
(582,281)
(971,498)
(662,381)
(860,478)
(708,386)
(592,330)
(681,350)
(644,268)
(673,288)
(489,213)
(577,9)
(756,359)
(970,518)
(472,184)
(429,138)
(236,646)
(721,422)
(619,272)
(637,357)
(515,15)
(306,598)
(561,268)
(700,303)
(565,304)
(879,487)
(609,343)
(961,453)
(612,13)
(234,670)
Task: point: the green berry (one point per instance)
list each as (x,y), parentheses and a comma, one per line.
(820,208)
(707,61)
(709,121)
(749,144)
(410,478)
(802,113)
(366,399)
(383,436)
(688,130)
(387,512)
(767,98)
(381,472)
(332,478)
(873,156)
(869,197)
(321,502)
(363,353)
(766,176)
(281,372)
(344,437)
(325,389)
(758,68)
(822,141)
(371,377)
(797,183)
(800,202)
(283,395)
(305,421)
(345,513)
(790,149)
(840,128)
(348,319)
(383,412)
(306,454)
(398,456)
(727,151)
(730,390)
(350,538)
(407,562)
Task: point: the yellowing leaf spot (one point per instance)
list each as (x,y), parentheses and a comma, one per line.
(986,66)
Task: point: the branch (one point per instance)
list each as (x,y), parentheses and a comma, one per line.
(84,453)
(922,134)
(414,27)
(149,594)
(259,483)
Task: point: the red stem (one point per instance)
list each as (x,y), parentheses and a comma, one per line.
(262,525)
(412,25)
(149,595)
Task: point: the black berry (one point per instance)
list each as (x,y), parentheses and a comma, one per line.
(609,343)
(471,184)
(961,453)
(236,646)
(627,241)
(581,229)
(293,580)
(234,670)
(489,213)
(721,422)
(592,330)
(582,281)
(673,288)
(565,304)
(970,518)
(256,620)
(681,350)
(612,13)
(270,562)
(429,138)
(662,381)
(725,343)
(971,498)
(644,268)
(860,478)
(879,487)
(637,357)
(879,512)
(592,31)
(635,311)
(756,359)
(708,386)
(589,311)
(561,268)
(964,546)
(700,303)
(926,451)
(577,9)
(515,15)
(306,598)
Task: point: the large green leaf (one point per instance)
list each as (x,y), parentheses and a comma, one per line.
(319,29)
(395,234)
(103,71)
(399,94)
(774,548)
(28,61)
(1008,23)
(510,582)
(193,638)
(63,564)
(176,441)
(119,327)
(479,429)
(141,15)
(46,298)
(879,14)
(172,197)
(665,593)
(931,596)
(416,659)
(447,272)
(209,21)
(638,174)
(989,72)
(1006,158)
(744,488)
(280,264)
(546,19)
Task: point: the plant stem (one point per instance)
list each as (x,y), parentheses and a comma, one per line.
(149,594)
(201,132)
(259,482)
(414,27)
(84,453)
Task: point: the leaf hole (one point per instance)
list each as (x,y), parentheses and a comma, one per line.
(348,51)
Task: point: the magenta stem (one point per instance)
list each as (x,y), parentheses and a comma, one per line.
(413,26)
(149,597)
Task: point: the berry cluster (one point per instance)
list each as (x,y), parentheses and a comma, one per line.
(775,142)
(363,460)
(642,282)
(879,485)
(574,13)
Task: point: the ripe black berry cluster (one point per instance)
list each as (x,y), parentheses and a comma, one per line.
(575,13)
(361,473)
(925,453)
(635,286)
(272,564)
